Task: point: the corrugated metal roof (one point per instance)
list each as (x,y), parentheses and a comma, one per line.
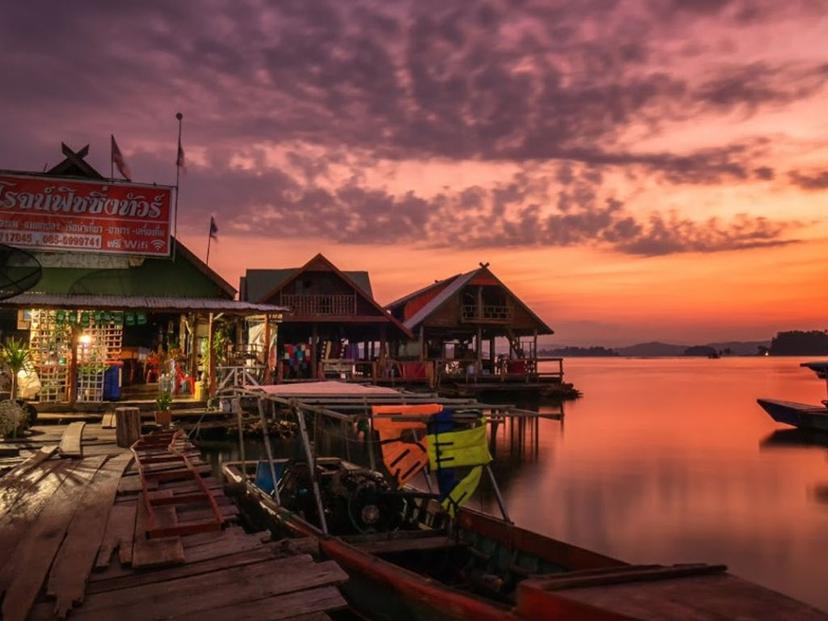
(260,282)
(119,302)
(418,292)
(438,300)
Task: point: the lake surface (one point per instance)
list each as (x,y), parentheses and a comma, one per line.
(671,461)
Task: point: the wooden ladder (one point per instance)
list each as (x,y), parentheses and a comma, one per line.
(167,456)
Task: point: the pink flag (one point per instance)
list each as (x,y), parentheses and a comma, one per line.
(118,160)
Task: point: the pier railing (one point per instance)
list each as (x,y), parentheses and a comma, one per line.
(320,304)
(504,370)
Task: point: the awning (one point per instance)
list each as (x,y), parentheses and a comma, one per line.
(153,304)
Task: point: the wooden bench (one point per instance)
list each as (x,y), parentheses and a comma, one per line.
(71,444)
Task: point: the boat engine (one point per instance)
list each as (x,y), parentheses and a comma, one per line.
(354,500)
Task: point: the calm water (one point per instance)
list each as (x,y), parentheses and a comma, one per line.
(671,460)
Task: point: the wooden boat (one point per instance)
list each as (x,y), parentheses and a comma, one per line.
(410,558)
(800,415)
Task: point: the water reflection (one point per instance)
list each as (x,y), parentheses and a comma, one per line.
(671,461)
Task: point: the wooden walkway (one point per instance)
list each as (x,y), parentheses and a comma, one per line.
(75,541)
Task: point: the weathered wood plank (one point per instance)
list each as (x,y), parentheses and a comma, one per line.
(120,530)
(71,444)
(73,562)
(218,589)
(41,455)
(108,421)
(21,505)
(236,559)
(302,604)
(130,485)
(35,552)
(160,552)
(18,483)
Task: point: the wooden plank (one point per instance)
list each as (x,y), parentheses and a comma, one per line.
(120,530)
(71,444)
(220,548)
(302,604)
(20,482)
(218,589)
(130,485)
(108,421)
(134,579)
(74,560)
(41,455)
(35,552)
(159,552)
(21,505)
(313,616)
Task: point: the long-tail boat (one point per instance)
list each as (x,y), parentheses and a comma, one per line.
(414,555)
(801,415)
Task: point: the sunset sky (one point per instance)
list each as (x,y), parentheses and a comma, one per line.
(653,170)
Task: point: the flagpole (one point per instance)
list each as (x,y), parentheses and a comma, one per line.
(178,116)
(209,239)
(111,159)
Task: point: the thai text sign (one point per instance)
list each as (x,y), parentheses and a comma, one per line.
(60,214)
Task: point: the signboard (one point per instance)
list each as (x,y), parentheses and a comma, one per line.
(70,215)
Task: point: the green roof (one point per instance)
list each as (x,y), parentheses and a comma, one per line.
(256,284)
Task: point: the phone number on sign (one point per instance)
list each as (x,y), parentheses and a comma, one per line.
(50,239)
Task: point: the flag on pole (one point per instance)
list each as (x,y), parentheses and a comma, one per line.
(179,161)
(119,161)
(213,229)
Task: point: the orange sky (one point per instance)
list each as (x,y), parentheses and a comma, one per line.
(643,170)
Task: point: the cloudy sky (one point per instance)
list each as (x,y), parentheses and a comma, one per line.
(636,170)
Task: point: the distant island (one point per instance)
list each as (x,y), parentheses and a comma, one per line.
(789,343)
(800,343)
(659,349)
(574,352)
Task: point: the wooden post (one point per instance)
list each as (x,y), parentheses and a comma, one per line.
(314,337)
(73,367)
(422,342)
(479,347)
(194,347)
(535,352)
(382,352)
(268,376)
(211,356)
(127,426)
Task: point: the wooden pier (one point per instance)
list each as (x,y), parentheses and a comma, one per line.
(143,534)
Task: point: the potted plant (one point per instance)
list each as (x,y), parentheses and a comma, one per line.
(15,355)
(163,415)
(13,419)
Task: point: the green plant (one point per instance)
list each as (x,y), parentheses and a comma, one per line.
(15,354)
(13,419)
(164,402)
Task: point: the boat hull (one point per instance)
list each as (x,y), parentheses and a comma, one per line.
(800,415)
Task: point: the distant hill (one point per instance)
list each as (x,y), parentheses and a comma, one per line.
(653,348)
(657,348)
(800,343)
(740,348)
(575,352)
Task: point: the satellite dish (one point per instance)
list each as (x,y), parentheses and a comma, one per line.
(19,271)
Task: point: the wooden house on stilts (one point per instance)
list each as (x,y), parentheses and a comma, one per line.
(476,334)
(334,328)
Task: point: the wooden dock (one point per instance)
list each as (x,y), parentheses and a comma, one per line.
(107,536)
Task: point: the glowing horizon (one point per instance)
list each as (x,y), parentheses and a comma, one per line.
(653,170)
